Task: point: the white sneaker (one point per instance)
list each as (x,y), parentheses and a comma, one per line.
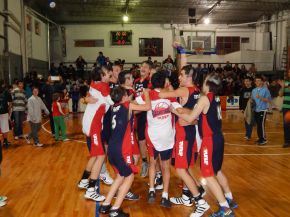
(144,169)
(183,200)
(201,207)
(83,184)
(38,144)
(65,140)
(106,178)
(2,203)
(16,137)
(91,194)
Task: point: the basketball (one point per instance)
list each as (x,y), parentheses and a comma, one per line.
(287,117)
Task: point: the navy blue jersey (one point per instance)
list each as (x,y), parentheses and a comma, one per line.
(140,85)
(211,122)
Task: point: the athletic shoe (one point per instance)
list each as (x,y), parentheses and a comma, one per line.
(38,144)
(247,138)
(232,203)
(93,195)
(201,191)
(83,184)
(144,169)
(2,203)
(132,196)
(106,178)
(105,209)
(262,142)
(158,182)
(201,207)
(165,203)
(223,212)
(183,200)
(3,198)
(118,213)
(16,137)
(65,140)
(151,197)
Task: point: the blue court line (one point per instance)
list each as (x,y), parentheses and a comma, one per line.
(98,203)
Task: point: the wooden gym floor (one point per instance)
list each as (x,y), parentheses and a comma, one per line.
(42,182)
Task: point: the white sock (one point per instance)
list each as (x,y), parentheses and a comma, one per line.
(185,188)
(115,208)
(151,189)
(165,195)
(224,204)
(105,204)
(229,195)
(158,174)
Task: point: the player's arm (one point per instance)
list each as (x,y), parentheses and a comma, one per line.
(140,106)
(194,114)
(180,92)
(60,109)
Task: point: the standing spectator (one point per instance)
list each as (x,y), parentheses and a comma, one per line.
(80,64)
(101,59)
(61,69)
(5,105)
(245,95)
(53,70)
(168,65)
(71,72)
(35,107)
(19,102)
(108,62)
(261,97)
(2,198)
(47,91)
(169,58)
(75,96)
(58,118)
(285,91)
(252,70)
(244,71)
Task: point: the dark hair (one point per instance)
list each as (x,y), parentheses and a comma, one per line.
(122,76)
(158,79)
(34,87)
(117,94)
(259,77)
(214,82)
(55,97)
(174,80)
(19,81)
(97,74)
(190,71)
(149,63)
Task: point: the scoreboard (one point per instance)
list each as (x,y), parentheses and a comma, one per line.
(120,38)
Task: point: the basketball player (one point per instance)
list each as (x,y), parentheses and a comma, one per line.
(159,136)
(120,151)
(212,148)
(139,84)
(92,127)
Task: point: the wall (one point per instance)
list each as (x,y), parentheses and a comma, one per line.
(1,42)
(14,37)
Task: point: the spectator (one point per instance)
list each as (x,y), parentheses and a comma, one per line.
(252,71)
(168,59)
(285,91)
(108,62)
(219,69)
(261,97)
(168,65)
(80,64)
(53,71)
(244,71)
(47,91)
(71,71)
(101,60)
(19,102)
(228,67)
(2,198)
(211,68)
(61,70)
(245,95)
(5,105)
(35,107)
(237,71)
(75,96)
(58,118)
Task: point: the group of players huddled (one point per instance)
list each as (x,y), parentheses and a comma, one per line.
(175,124)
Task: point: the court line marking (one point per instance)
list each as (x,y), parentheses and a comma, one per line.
(275,154)
(255,146)
(232,133)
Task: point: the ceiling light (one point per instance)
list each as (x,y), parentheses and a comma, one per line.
(125,18)
(52,4)
(206,21)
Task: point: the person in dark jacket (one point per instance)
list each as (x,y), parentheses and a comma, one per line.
(75,96)
(48,90)
(245,95)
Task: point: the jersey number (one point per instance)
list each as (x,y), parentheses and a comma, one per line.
(114,123)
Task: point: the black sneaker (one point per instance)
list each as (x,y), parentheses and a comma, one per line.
(158,183)
(201,191)
(262,142)
(165,203)
(132,196)
(151,197)
(105,209)
(118,213)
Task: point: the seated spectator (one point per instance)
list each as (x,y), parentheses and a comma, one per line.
(53,70)
(228,67)
(80,64)
(204,70)
(211,68)
(237,70)
(108,62)
(219,69)
(244,71)
(252,71)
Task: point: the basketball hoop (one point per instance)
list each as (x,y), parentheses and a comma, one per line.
(199,51)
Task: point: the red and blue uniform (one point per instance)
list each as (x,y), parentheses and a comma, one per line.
(141,117)
(185,148)
(120,149)
(212,146)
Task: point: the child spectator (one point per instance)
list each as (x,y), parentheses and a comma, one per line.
(58,118)
(35,106)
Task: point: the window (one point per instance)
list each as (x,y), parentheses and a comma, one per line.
(245,40)
(37,27)
(227,44)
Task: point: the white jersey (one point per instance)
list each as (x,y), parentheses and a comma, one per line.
(160,121)
(100,91)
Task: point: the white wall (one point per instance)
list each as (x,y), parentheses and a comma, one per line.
(130,53)
(13,37)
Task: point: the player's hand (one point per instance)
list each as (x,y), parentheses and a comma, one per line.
(91,100)
(173,110)
(281,83)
